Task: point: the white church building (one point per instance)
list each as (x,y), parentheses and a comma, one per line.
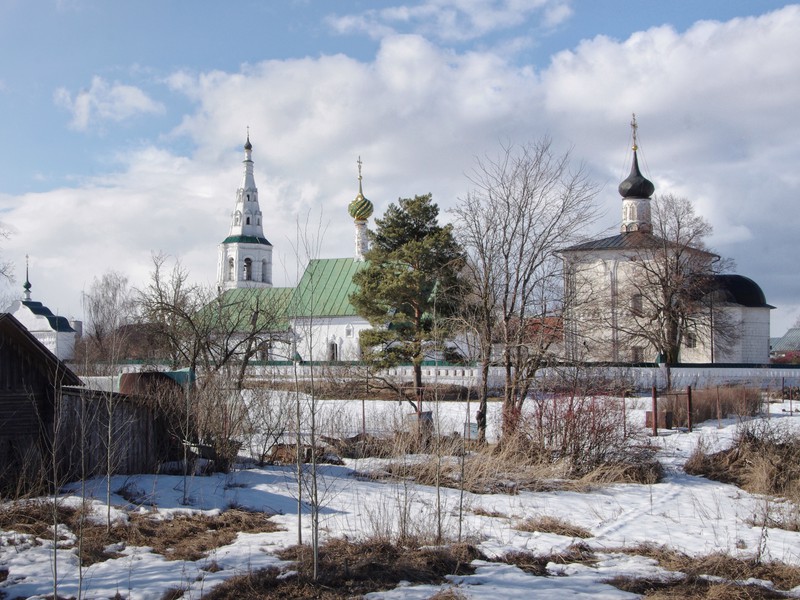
(609,305)
(57,334)
(322,325)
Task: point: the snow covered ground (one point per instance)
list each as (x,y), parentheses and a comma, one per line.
(690,514)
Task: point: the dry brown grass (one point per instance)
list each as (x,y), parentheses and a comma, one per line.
(548,524)
(350,569)
(536,564)
(512,468)
(764,459)
(724,566)
(184,537)
(694,589)
(734,401)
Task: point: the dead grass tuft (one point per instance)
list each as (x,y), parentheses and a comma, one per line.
(692,589)
(720,565)
(547,524)
(764,459)
(536,564)
(190,537)
(184,537)
(737,401)
(348,569)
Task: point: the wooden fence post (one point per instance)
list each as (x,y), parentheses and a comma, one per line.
(689,407)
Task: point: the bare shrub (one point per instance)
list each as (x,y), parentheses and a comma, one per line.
(548,524)
(691,588)
(583,431)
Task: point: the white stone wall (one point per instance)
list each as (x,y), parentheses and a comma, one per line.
(314,337)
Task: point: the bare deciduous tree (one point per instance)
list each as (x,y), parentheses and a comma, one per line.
(5,266)
(671,284)
(525,204)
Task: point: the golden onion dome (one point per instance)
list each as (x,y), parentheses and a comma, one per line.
(360,208)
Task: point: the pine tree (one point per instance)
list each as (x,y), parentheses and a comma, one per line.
(409,287)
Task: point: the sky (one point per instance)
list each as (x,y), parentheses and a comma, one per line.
(122,124)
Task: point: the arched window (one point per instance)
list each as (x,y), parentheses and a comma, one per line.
(258,220)
(348,331)
(231,270)
(248,269)
(248,221)
(264,277)
(237,218)
(248,197)
(333,351)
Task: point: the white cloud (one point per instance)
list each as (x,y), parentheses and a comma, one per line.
(105,102)
(717,113)
(452,20)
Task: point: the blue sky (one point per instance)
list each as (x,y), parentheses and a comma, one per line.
(122,122)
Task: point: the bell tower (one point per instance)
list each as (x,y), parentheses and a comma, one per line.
(245,256)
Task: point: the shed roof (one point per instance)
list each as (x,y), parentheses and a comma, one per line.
(56,370)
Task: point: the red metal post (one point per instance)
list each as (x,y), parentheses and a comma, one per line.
(689,407)
(655,411)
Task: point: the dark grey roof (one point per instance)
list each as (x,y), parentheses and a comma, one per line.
(57,323)
(629,240)
(789,342)
(740,290)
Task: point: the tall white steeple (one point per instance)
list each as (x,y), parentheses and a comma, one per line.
(245,256)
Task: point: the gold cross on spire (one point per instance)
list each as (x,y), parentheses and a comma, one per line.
(634,127)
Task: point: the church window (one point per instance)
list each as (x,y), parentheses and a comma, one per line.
(333,351)
(237,218)
(258,220)
(248,269)
(264,271)
(231,270)
(248,221)
(348,331)
(248,197)
(691,340)
(636,305)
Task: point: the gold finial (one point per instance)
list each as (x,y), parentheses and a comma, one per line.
(359,167)
(634,127)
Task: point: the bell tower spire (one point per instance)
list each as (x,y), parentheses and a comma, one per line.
(245,256)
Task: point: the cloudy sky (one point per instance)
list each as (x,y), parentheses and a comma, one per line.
(123,123)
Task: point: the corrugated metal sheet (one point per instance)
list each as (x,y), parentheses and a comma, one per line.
(325,288)
(789,342)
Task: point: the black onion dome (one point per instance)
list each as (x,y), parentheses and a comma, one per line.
(739,289)
(636,185)
(247,144)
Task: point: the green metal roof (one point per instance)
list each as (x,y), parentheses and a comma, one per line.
(246,239)
(325,288)
(272,304)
